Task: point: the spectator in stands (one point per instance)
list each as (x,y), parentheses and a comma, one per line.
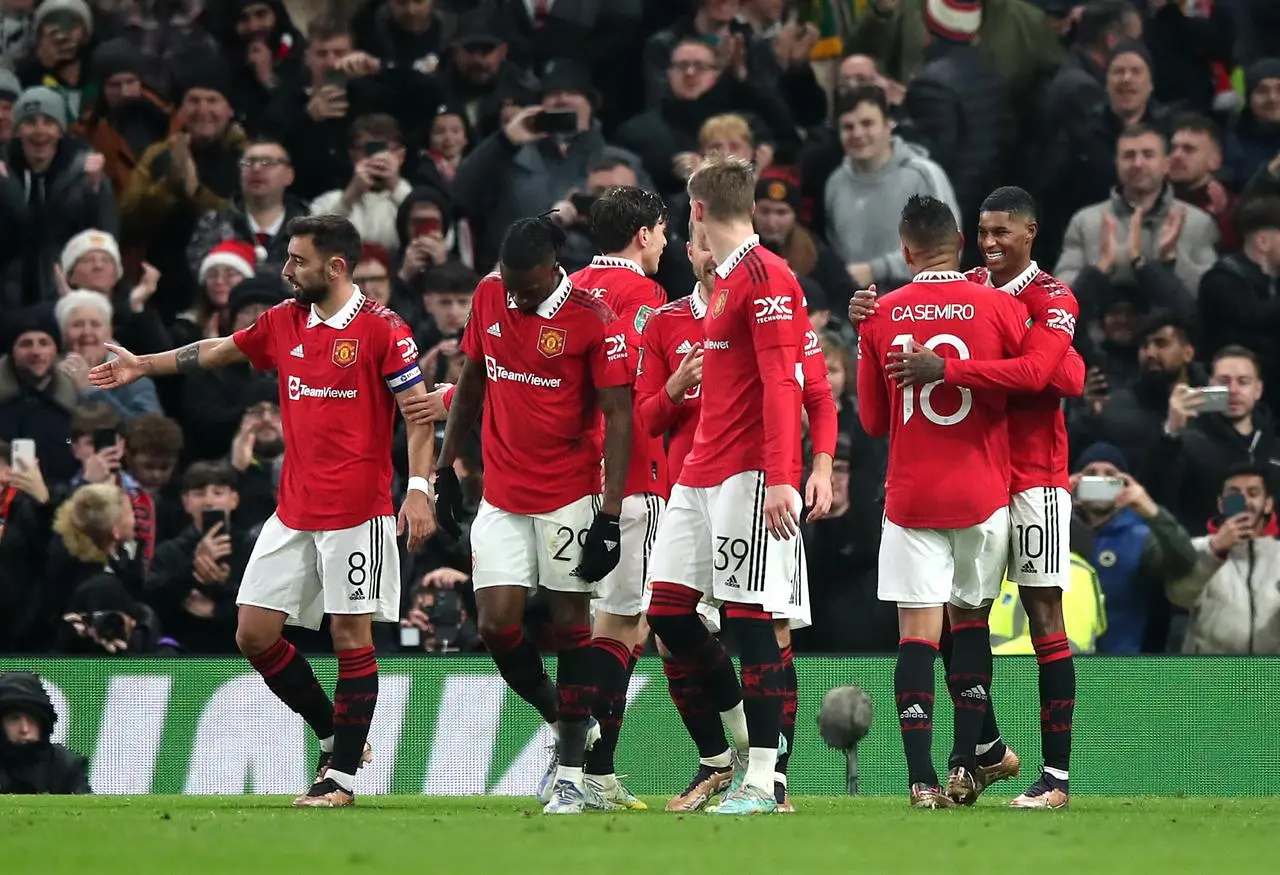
(1138,548)
(1080,84)
(437,620)
(126,117)
(1238,296)
(376,189)
(1233,592)
(9,91)
(26,515)
(1197,449)
(427,234)
(228,264)
(478,71)
(52,188)
(1187,42)
(373,274)
(442,307)
(98,445)
(16,32)
(263,50)
(521,172)
(256,453)
(1132,417)
(94,531)
(1255,138)
(91,261)
(152,447)
(863,197)
(84,319)
(196,575)
(214,401)
(36,397)
(777,222)
(699,88)
(1195,157)
(195,171)
(257,213)
(1147,225)
(29,761)
(412,35)
(104,618)
(449,138)
(63,29)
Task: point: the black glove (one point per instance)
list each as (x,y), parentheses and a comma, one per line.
(602,550)
(449,501)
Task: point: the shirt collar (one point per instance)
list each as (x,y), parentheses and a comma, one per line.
(617,261)
(737,255)
(270,230)
(939,276)
(1019,283)
(551,306)
(696,306)
(343,317)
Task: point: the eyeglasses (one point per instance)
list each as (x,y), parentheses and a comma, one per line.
(250,163)
(693,67)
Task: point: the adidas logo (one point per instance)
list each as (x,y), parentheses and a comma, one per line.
(611,545)
(296,352)
(732,581)
(495,329)
(1028,567)
(915,712)
(977,691)
(683,348)
(357,595)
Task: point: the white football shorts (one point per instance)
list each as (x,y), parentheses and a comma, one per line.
(1040,537)
(622,592)
(309,574)
(930,567)
(532,550)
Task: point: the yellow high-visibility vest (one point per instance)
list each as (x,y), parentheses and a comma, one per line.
(1083,609)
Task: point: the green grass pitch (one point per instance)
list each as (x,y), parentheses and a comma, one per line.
(192,835)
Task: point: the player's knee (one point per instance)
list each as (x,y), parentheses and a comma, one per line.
(570,609)
(782,631)
(498,637)
(257,630)
(351,632)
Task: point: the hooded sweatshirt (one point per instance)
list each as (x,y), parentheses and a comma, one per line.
(863,206)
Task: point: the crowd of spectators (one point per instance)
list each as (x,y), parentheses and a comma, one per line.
(152,151)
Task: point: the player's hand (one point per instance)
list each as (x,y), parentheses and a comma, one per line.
(1184,404)
(779,513)
(418,518)
(123,369)
(687,375)
(449,500)
(818,494)
(863,304)
(426,409)
(602,550)
(1234,531)
(1135,496)
(916,367)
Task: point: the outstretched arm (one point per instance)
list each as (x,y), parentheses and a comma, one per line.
(214,352)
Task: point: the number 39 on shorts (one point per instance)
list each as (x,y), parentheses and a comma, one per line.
(910,401)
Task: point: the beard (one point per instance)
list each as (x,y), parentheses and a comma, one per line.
(311,293)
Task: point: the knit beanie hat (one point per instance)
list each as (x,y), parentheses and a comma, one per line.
(88,241)
(955,21)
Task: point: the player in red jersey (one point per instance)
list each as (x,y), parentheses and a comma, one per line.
(668,401)
(946,532)
(330,547)
(544,360)
(730,530)
(630,225)
(1040,502)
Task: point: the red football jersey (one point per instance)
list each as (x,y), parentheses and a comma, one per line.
(338,379)
(634,297)
(948,446)
(669,335)
(750,417)
(540,442)
(1038,451)
(819,405)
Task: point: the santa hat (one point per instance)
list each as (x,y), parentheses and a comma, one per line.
(956,21)
(235,254)
(90,241)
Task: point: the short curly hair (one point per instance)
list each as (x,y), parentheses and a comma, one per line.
(154,434)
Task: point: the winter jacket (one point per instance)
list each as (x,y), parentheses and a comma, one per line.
(862,209)
(232,223)
(1234,601)
(1240,304)
(44,415)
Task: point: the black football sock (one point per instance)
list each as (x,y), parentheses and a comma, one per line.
(763,687)
(673,618)
(991,747)
(1057,703)
(521,667)
(354,699)
(969,681)
(700,718)
(577,690)
(913,690)
(288,674)
(789,702)
(611,666)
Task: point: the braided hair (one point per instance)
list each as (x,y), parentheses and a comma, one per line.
(532,242)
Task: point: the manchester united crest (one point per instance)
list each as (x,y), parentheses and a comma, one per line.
(344,352)
(551,341)
(717,307)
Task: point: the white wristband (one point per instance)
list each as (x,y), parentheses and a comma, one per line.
(419,484)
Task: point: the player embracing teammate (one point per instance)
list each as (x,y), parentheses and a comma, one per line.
(730,532)
(1039,505)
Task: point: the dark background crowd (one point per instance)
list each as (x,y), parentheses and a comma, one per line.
(152,151)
